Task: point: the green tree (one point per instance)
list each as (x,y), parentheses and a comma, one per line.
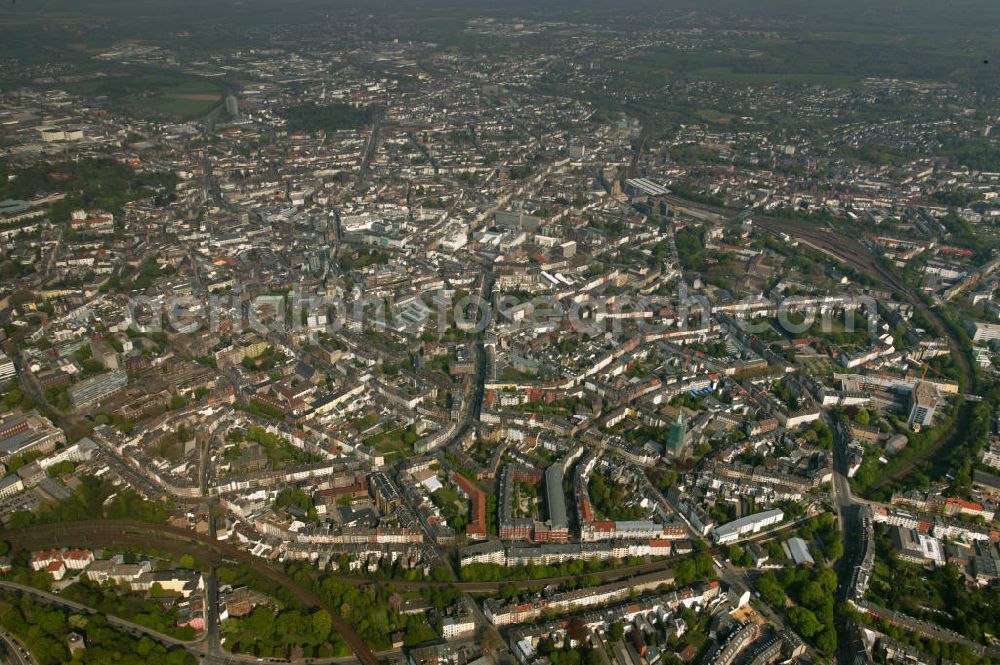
(322,624)
(262,621)
(804,621)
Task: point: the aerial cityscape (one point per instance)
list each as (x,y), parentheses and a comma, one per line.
(458,332)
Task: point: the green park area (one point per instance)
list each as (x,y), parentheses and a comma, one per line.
(100,183)
(940,596)
(45,631)
(278,450)
(453,507)
(327,117)
(805,596)
(395,442)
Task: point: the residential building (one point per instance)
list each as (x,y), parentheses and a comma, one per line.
(740,527)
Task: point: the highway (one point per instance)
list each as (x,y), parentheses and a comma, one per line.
(849,506)
(51,260)
(213,632)
(425,151)
(849,525)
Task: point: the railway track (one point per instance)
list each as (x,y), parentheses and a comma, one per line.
(854,254)
(857,256)
(96,533)
(848,250)
(177,541)
(612,575)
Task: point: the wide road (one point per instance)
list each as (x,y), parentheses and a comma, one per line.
(474,405)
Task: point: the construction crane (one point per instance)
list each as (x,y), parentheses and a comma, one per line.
(923,375)
(928,366)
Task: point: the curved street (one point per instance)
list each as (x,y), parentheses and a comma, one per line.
(98,534)
(117,622)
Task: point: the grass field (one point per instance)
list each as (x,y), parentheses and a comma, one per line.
(833,60)
(152,92)
(726,74)
(712,115)
(393,444)
(817,366)
(188,99)
(183,106)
